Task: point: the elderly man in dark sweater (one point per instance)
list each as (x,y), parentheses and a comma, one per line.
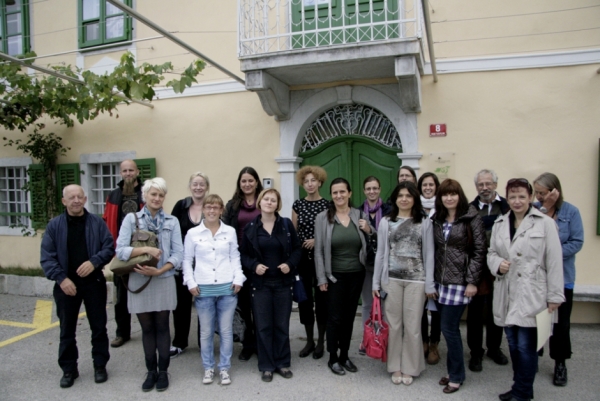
(489,205)
(75,248)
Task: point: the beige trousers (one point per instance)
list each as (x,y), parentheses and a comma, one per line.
(403,309)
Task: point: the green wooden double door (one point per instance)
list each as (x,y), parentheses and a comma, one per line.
(354,158)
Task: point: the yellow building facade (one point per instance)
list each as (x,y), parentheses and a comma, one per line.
(518,88)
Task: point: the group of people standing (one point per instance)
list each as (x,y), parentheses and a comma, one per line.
(425,250)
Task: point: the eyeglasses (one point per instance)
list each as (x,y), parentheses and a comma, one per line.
(518,182)
(485,184)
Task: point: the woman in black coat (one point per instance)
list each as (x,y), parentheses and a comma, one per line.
(271,252)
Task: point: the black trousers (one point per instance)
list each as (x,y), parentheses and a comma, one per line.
(182,315)
(272,307)
(560,341)
(245,305)
(315,297)
(436,329)
(480,313)
(342,300)
(93,296)
(122,316)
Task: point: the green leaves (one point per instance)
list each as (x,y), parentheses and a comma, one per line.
(25,98)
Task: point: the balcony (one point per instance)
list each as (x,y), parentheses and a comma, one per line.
(293,43)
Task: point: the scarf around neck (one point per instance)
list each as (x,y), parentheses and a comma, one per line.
(154,224)
(428,203)
(375,209)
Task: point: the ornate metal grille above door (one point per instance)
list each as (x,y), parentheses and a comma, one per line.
(351,119)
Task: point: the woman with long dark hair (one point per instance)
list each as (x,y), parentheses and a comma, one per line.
(239,211)
(403,269)
(340,257)
(459,255)
(304,212)
(428,184)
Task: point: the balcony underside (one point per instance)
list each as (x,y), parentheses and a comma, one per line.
(271,75)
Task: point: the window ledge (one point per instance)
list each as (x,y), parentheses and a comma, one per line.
(109,48)
(15,232)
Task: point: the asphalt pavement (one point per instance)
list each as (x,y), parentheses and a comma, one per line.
(29,339)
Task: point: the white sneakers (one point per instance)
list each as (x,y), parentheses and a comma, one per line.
(209,376)
(225,379)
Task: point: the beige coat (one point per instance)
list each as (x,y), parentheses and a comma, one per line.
(535,277)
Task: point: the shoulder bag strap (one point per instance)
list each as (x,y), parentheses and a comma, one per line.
(139,289)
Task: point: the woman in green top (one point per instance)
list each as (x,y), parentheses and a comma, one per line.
(340,256)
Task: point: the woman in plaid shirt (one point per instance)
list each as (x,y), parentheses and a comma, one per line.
(459,237)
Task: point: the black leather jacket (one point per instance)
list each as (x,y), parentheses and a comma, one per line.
(457,261)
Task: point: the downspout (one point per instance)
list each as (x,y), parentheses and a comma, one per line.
(429,39)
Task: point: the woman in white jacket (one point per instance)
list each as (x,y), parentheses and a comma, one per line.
(525,257)
(215,282)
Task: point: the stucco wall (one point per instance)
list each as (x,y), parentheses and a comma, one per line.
(522,123)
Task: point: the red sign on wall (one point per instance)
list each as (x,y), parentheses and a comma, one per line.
(437,130)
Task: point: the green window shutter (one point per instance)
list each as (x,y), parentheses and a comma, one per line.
(66,174)
(147,168)
(37,186)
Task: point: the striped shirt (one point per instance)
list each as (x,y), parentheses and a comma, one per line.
(215,290)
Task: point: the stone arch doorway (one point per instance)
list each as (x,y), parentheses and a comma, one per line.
(353,141)
(307,106)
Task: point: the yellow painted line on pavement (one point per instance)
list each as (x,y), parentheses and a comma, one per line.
(42,321)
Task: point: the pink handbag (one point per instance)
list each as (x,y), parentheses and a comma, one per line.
(375,338)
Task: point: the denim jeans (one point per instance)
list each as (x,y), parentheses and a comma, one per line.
(272,307)
(450,322)
(219,310)
(522,343)
(93,296)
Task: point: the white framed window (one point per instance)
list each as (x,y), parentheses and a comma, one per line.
(15,203)
(105,177)
(101,174)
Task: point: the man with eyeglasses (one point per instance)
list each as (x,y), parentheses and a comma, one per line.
(489,205)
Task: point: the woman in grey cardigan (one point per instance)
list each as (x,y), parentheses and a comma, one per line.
(340,255)
(404,269)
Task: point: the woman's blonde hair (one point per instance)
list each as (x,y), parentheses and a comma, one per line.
(266,191)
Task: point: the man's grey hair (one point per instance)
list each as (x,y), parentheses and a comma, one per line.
(487,171)
(64,191)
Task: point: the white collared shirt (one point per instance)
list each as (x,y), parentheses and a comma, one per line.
(217,258)
(489,205)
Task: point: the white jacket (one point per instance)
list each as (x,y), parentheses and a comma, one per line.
(535,277)
(217,259)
